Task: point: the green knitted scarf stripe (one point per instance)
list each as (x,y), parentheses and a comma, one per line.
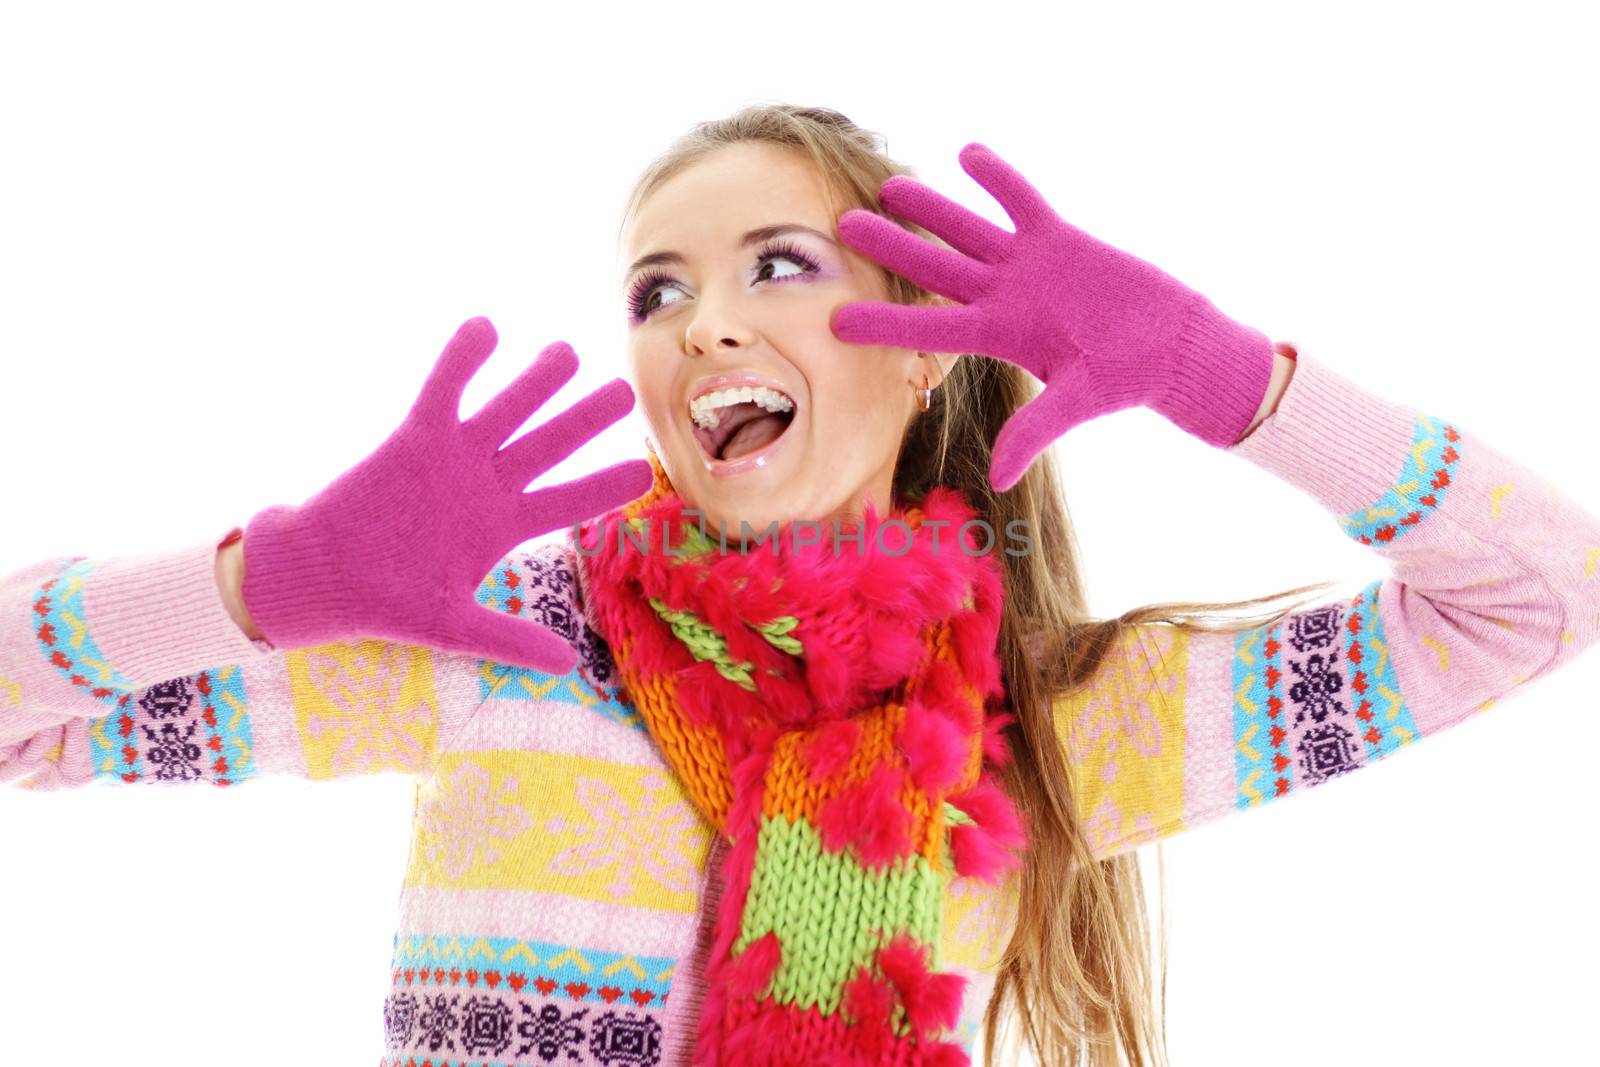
(705,642)
(814,900)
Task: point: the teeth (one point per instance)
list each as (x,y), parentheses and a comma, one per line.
(704,409)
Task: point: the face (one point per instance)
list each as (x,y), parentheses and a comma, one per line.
(731,307)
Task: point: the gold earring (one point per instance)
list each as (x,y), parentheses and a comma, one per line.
(924,395)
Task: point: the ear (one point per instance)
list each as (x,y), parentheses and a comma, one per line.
(936,365)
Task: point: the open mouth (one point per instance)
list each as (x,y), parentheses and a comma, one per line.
(740,422)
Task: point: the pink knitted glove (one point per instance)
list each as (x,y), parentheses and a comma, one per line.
(1102,329)
(397,546)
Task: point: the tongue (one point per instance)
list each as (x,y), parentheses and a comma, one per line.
(757,433)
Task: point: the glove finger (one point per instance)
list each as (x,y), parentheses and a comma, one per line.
(541,380)
(440,398)
(926,329)
(570,503)
(552,441)
(512,640)
(959,227)
(1033,427)
(937,269)
(1021,200)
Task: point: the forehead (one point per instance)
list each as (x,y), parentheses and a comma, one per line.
(736,188)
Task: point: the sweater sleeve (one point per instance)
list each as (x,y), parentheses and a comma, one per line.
(1493,581)
(129,669)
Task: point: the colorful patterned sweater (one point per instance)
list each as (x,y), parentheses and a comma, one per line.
(555,905)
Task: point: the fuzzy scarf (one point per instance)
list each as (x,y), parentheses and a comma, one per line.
(833,710)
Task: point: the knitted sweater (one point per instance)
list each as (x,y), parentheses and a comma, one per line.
(556,904)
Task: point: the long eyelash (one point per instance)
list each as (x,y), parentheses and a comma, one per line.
(642,288)
(779,249)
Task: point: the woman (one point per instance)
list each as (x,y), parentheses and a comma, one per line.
(722,796)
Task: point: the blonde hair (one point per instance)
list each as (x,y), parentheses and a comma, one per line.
(1077,969)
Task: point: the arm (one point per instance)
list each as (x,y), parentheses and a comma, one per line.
(1283,364)
(230,582)
(135,669)
(1494,581)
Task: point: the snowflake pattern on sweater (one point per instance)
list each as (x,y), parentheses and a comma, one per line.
(553,910)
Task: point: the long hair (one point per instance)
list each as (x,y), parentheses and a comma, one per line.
(1076,973)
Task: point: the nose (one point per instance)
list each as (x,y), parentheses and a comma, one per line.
(716,325)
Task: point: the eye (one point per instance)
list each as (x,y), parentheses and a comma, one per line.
(643,292)
(780,250)
(641,296)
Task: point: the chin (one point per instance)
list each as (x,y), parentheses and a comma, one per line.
(730,509)
(726,508)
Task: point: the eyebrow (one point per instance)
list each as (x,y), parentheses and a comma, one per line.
(755,236)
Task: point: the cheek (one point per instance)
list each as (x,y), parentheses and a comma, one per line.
(858,406)
(855,389)
(651,387)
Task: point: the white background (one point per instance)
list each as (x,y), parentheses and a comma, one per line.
(233,240)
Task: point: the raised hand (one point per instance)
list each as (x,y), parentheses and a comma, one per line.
(397,546)
(1103,330)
